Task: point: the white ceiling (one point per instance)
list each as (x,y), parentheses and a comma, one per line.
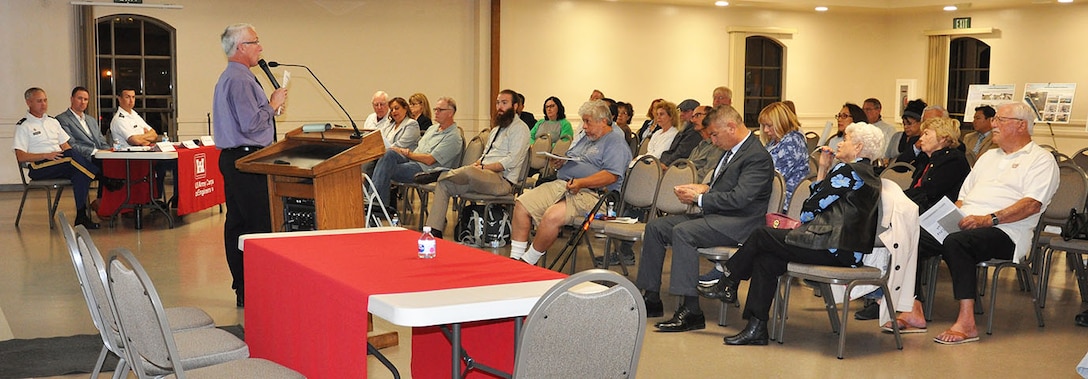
(859,5)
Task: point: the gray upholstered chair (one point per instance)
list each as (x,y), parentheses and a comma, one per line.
(48,185)
(471,151)
(1071,194)
(637,192)
(156,350)
(488,201)
(579,329)
(92,284)
(900,172)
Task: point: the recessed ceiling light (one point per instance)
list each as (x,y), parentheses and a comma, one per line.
(1065,1)
(950,8)
(721,3)
(821,9)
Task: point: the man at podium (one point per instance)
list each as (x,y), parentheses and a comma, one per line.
(243,121)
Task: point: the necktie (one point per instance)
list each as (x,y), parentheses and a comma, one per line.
(721,165)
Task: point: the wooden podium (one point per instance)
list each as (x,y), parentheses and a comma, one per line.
(325,167)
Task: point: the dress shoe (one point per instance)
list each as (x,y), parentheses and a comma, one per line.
(1081,319)
(683,320)
(725,289)
(614,259)
(753,334)
(870,312)
(654,308)
(83,219)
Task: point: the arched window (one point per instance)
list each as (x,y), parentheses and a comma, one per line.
(968,63)
(762,76)
(137,52)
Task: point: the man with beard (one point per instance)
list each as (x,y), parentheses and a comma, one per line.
(497,169)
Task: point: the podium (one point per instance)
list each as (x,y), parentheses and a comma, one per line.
(324,167)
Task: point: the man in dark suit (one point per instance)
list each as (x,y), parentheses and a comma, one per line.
(733,204)
(86,135)
(981,140)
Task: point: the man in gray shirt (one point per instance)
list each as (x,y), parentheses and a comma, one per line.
(439,147)
(495,172)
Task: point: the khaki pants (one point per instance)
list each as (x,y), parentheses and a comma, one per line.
(463,180)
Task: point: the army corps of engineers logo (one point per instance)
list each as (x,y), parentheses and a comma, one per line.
(200,165)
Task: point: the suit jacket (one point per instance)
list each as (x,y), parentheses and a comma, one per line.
(942,177)
(737,200)
(682,145)
(969,141)
(84,144)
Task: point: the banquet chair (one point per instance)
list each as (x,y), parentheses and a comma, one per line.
(560,148)
(644,146)
(1023,272)
(900,172)
(580,330)
(543,144)
(637,192)
(51,202)
(811,139)
(800,194)
(1080,158)
(826,276)
(720,254)
(202,344)
(1071,194)
(92,286)
(148,339)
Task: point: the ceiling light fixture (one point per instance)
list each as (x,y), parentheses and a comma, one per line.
(821,9)
(721,3)
(950,8)
(1065,1)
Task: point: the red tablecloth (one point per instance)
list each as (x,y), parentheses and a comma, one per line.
(306,300)
(139,179)
(201,183)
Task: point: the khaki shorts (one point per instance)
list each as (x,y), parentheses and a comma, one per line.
(539,199)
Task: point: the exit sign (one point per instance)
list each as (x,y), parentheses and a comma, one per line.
(961,23)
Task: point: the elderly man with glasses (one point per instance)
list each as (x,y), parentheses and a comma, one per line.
(1003,197)
(438,148)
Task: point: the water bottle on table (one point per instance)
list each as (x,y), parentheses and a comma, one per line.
(427,245)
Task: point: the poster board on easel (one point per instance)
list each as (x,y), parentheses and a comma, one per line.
(993,95)
(1052,102)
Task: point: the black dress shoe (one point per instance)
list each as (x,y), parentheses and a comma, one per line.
(870,312)
(654,308)
(753,334)
(725,289)
(1081,319)
(683,320)
(241,300)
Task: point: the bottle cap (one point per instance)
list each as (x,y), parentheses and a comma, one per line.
(426,229)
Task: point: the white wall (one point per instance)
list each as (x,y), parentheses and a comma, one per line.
(632,51)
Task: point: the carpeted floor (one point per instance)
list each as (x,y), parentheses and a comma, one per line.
(55,356)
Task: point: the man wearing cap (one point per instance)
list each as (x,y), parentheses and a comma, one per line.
(688,137)
(902,143)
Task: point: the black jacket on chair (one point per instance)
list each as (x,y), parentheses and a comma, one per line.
(849,223)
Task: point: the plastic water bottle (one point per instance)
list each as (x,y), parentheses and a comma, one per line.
(611,210)
(394,221)
(427,248)
(165,138)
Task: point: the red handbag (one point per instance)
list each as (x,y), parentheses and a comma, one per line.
(781,221)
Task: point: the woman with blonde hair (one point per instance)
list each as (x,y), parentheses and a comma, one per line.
(421,110)
(667,117)
(780,133)
(648,126)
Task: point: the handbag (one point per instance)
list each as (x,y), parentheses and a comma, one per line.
(781,221)
(1076,226)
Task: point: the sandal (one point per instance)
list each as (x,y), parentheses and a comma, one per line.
(963,338)
(904,328)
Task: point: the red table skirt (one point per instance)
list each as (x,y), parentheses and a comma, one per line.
(306,300)
(200,184)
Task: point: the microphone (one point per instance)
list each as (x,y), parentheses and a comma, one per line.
(357,134)
(271,78)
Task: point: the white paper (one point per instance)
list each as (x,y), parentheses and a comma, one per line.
(553,156)
(286,78)
(165,146)
(942,219)
(207,141)
(189,144)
